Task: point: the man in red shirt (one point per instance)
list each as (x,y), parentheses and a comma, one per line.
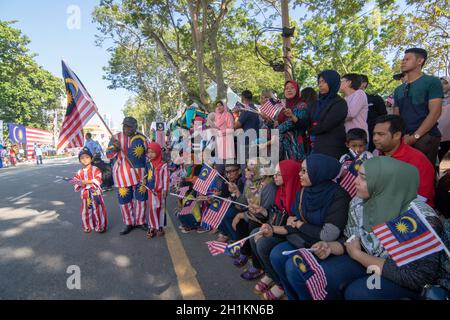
(388,139)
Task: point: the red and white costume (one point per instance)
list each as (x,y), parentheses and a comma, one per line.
(93,211)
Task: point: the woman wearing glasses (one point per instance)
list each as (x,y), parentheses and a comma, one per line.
(287,180)
(386,188)
(321,211)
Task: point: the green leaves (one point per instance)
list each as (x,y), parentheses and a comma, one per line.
(28,93)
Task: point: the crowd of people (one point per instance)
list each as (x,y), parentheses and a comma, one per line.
(306,199)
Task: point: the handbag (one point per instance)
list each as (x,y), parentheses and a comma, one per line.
(279,217)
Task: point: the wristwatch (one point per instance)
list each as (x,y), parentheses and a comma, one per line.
(416,136)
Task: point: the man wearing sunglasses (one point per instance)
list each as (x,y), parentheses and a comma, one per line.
(419,102)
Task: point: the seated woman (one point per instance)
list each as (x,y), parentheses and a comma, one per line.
(288,182)
(259,195)
(386,188)
(321,211)
(232,191)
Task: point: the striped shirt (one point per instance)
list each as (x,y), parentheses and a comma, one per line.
(93,174)
(123,172)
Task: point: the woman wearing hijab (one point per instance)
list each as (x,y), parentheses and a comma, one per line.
(292,124)
(259,194)
(287,180)
(156,179)
(386,188)
(327,117)
(321,211)
(224,122)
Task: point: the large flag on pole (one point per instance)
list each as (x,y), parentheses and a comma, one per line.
(80,109)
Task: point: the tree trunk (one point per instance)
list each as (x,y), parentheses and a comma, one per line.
(221,86)
(197,39)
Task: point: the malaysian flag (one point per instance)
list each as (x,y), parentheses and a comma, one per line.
(312,272)
(187,207)
(205,179)
(270,108)
(74,181)
(215,213)
(38,136)
(217,247)
(80,109)
(408,238)
(348,181)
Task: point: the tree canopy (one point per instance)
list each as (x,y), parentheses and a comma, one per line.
(29,94)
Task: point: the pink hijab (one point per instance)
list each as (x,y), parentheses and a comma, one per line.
(224,120)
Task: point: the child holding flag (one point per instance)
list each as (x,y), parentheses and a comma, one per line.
(156,179)
(88,180)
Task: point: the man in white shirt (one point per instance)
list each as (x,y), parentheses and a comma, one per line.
(38,152)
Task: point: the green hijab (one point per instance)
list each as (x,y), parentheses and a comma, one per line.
(392,185)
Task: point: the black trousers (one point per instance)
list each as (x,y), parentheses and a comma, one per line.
(243,229)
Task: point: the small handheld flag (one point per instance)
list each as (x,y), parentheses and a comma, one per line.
(73,181)
(215,213)
(187,207)
(205,179)
(216,247)
(312,272)
(408,238)
(271,108)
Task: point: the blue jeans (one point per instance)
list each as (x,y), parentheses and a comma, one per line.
(346,278)
(357,290)
(226,225)
(188,221)
(278,261)
(262,249)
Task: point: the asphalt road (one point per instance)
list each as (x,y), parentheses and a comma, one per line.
(41,236)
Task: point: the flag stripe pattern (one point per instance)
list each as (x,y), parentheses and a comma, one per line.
(348,183)
(407,239)
(80,109)
(187,208)
(37,136)
(205,179)
(216,247)
(215,213)
(270,108)
(317,282)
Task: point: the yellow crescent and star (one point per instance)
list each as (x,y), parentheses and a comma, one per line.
(216,204)
(402,227)
(69,94)
(18,135)
(204,172)
(300,263)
